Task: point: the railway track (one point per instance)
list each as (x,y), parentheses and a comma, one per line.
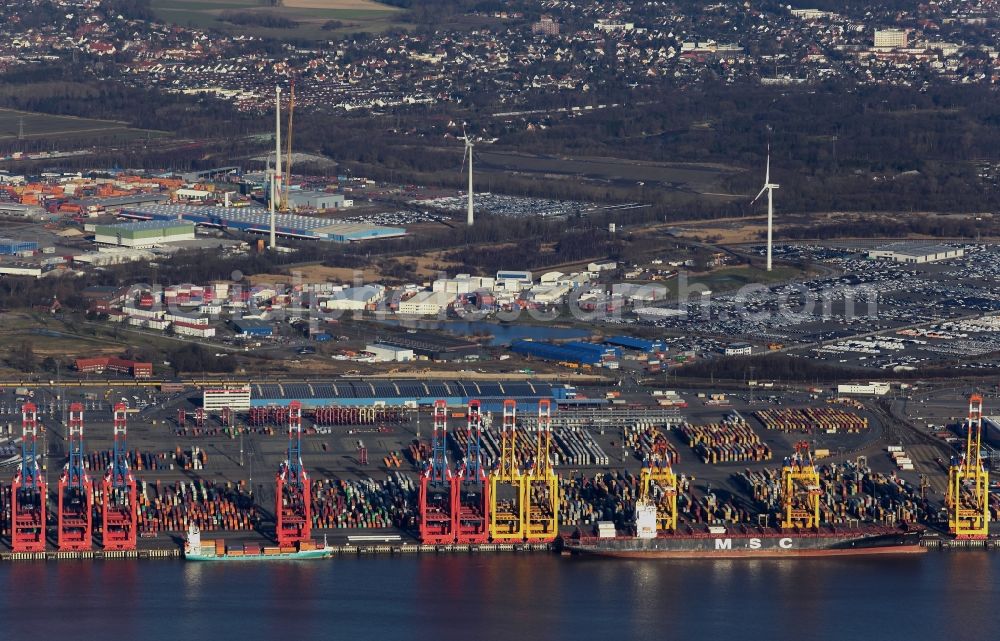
(925,450)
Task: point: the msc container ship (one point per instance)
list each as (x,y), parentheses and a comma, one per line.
(196,550)
(743,541)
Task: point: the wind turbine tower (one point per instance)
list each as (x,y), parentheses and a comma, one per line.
(769,187)
(469,218)
(276,181)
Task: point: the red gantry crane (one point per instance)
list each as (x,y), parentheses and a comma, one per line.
(28,491)
(119,509)
(472,487)
(437,488)
(74,528)
(293,510)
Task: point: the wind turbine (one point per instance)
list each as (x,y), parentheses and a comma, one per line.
(276,176)
(468,153)
(769,187)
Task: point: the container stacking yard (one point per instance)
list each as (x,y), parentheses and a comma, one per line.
(258,220)
(407,465)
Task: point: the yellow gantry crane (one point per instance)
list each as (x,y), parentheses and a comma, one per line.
(800,490)
(540,485)
(658,487)
(506,493)
(968,482)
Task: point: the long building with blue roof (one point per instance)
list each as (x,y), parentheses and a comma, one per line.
(398,393)
(639,344)
(258,220)
(571,352)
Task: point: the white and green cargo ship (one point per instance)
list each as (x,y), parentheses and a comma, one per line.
(197,550)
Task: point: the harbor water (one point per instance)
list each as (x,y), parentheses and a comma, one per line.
(941,595)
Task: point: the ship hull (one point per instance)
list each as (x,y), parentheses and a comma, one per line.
(744,554)
(305,555)
(726,546)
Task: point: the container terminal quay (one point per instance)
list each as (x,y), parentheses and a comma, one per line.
(122,469)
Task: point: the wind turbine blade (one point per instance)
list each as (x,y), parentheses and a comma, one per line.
(759,194)
(465,155)
(767,171)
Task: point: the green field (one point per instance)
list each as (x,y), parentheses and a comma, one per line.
(352,13)
(40,126)
(702,178)
(729,279)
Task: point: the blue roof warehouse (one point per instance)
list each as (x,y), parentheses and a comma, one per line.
(639,344)
(403,392)
(571,352)
(252,328)
(258,220)
(10,247)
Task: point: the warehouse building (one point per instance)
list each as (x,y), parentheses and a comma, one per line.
(463,284)
(384,353)
(637,344)
(114,203)
(402,393)
(915,253)
(245,327)
(196,195)
(549,295)
(21,269)
(355,298)
(114,256)
(257,220)
(435,347)
(320,200)
(512,281)
(639,293)
(602,266)
(572,352)
(18,210)
(147,233)
(217,172)
(9,247)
